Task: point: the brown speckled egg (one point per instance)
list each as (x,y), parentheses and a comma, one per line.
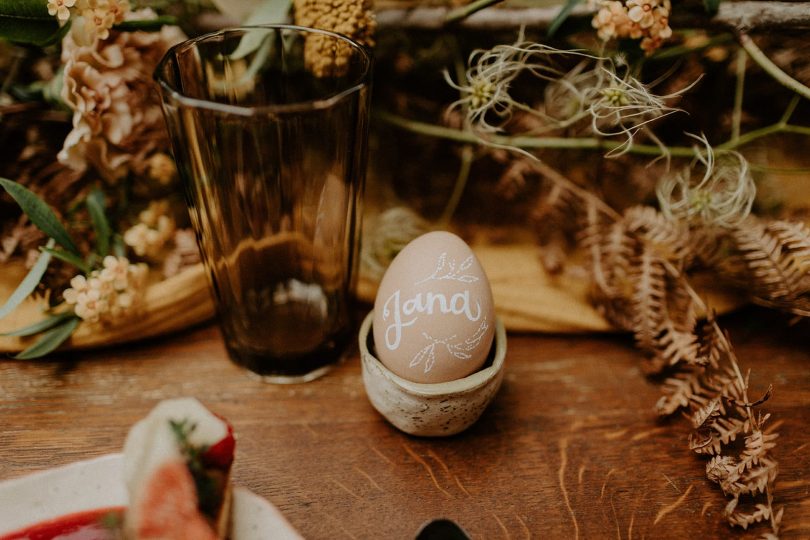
(434,318)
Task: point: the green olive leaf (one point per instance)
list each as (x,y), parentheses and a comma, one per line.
(96,207)
(29,282)
(40,214)
(50,340)
(28,21)
(40,326)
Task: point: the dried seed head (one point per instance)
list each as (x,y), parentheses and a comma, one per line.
(391,232)
(353,18)
(722,197)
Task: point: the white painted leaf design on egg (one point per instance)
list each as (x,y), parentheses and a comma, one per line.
(446,270)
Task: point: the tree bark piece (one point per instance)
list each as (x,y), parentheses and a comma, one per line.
(745,15)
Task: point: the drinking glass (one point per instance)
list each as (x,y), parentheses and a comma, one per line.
(269,127)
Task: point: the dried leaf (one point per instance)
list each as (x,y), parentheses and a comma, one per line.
(648,299)
(680,391)
(669,239)
(745,520)
(774,271)
(706,414)
(720,467)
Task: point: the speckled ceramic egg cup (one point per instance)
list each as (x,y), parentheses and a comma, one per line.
(431,410)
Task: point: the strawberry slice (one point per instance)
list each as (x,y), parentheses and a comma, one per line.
(220,455)
(168,507)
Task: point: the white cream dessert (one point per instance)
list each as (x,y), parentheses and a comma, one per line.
(177,464)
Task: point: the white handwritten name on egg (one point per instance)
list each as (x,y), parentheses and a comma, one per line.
(434,315)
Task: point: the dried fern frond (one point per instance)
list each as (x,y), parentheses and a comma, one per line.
(556,210)
(648,301)
(673,346)
(775,272)
(722,413)
(669,239)
(618,247)
(746,519)
(638,262)
(795,239)
(681,390)
(720,467)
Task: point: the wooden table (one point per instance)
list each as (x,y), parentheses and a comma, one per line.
(569,448)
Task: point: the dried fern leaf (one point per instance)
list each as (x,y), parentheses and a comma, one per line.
(674,346)
(669,239)
(681,307)
(724,382)
(720,467)
(746,519)
(617,251)
(556,210)
(727,429)
(680,391)
(591,240)
(772,270)
(711,347)
(706,414)
(710,247)
(648,300)
(795,239)
(705,442)
(757,444)
(758,478)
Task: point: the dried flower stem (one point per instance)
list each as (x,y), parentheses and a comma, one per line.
(739,88)
(681,50)
(773,129)
(770,68)
(530,143)
(458,187)
(577,143)
(465,11)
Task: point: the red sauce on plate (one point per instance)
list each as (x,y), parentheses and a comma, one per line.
(90,525)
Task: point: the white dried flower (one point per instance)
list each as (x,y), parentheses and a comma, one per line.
(115,272)
(162,168)
(154,229)
(645,19)
(78,285)
(723,196)
(110,294)
(620,106)
(117,122)
(60,9)
(90,306)
(593,93)
(485,98)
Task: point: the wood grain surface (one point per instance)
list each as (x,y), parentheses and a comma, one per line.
(570,447)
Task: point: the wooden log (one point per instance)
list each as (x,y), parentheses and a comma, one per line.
(745,15)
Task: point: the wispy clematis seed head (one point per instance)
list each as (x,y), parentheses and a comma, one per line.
(722,197)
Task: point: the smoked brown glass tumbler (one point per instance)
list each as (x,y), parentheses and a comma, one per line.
(269,127)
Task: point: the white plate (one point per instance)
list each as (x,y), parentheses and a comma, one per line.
(98,483)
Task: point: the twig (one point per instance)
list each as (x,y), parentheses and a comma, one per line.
(526,142)
(577,143)
(751,136)
(461,183)
(736,115)
(681,50)
(770,68)
(463,12)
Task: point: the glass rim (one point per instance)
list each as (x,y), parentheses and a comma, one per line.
(302,106)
